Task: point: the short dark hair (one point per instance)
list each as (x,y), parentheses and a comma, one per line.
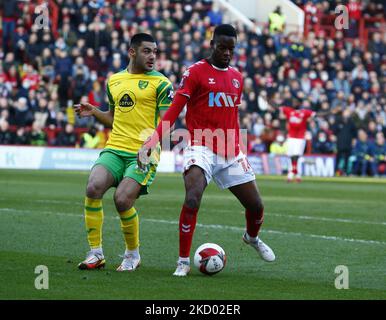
(138,38)
(225,30)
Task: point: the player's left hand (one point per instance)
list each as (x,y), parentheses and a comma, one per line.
(143,156)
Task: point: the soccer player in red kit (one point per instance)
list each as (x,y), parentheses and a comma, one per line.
(296,142)
(212,91)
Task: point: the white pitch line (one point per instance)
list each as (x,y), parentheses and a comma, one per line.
(326,219)
(298,234)
(289,216)
(213,226)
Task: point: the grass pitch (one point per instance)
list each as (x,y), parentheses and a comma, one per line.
(313,227)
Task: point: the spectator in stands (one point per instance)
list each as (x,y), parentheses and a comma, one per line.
(355,14)
(276,21)
(377,46)
(341,83)
(21,137)
(20,114)
(345,131)
(257,146)
(80,87)
(279,146)
(215,15)
(322,144)
(66,137)
(68,35)
(364,153)
(9,16)
(90,139)
(5,134)
(96,96)
(37,136)
(380,154)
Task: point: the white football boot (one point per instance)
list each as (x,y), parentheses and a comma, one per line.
(130,262)
(183,268)
(94,260)
(265,252)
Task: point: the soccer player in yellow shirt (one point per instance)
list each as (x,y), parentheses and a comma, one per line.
(138,97)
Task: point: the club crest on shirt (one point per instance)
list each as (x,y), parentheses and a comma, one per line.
(142,84)
(236,83)
(126,101)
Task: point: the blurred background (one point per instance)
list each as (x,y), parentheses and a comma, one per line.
(57,53)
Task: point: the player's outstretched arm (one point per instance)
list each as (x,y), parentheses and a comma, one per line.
(88,110)
(163,128)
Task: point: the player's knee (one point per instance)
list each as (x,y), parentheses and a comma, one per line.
(123,201)
(257,206)
(193,200)
(94,191)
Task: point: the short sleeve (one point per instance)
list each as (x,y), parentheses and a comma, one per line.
(310,113)
(165,94)
(187,84)
(109,96)
(286,111)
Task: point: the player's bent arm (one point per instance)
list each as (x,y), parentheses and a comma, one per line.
(168,120)
(88,110)
(104,117)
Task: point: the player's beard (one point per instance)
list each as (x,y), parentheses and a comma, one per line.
(147,65)
(221,61)
(142,64)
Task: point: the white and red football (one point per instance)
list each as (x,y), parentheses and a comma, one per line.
(210,258)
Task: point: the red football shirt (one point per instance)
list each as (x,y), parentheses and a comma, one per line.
(297,121)
(214,96)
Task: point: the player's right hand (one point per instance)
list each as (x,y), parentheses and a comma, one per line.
(84,109)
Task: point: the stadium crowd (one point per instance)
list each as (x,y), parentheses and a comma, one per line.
(44,73)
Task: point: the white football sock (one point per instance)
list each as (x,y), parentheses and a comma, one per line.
(251,239)
(97,251)
(184,260)
(134,252)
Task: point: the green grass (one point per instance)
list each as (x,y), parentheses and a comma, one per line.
(313,227)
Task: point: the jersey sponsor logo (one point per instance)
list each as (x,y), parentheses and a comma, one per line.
(294,118)
(236,83)
(221,99)
(211,81)
(142,84)
(126,101)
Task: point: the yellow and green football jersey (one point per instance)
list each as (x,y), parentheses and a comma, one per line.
(137,100)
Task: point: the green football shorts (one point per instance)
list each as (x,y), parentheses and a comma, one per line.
(124,165)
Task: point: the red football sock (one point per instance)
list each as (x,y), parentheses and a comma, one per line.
(188,219)
(294,166)
(254,222)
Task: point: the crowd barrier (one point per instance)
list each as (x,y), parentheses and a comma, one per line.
(43,158)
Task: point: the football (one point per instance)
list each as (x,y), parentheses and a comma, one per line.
(210,258)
